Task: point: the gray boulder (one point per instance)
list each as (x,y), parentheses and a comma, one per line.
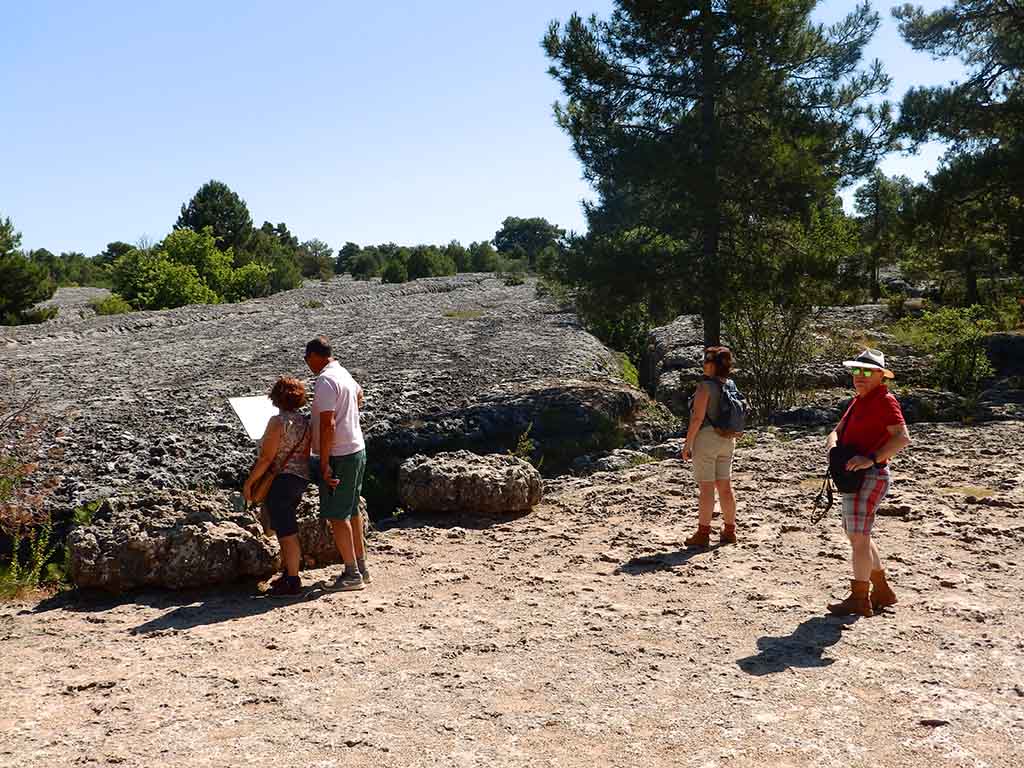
(315,538)
(173,539)
(466,482)
(616,461)
(676,346)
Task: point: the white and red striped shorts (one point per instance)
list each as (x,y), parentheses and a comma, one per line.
(859,508)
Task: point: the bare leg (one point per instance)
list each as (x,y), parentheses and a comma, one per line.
(342,530)
(727,501)
(876,561)
(706,503)
(290,553)
(862,557)
(357,536)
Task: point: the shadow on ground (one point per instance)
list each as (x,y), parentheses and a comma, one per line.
(663,561)
(185,609)
(802,648)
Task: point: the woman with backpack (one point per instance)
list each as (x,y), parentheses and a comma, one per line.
(870,433)
(711,447)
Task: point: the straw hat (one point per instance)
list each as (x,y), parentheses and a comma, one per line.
(872,359)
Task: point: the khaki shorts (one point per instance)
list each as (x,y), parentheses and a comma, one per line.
(712,456)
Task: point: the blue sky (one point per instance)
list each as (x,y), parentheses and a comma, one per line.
(404,121)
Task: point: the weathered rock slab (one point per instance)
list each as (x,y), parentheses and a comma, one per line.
(174,539)
(466,482)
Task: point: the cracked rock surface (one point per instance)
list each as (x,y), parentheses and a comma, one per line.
(446,363)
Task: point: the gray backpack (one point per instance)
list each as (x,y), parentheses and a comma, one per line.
(732,410)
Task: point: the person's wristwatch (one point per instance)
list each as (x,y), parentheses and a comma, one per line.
(874,461)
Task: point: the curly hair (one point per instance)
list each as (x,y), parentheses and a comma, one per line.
(721,358)
(288,394)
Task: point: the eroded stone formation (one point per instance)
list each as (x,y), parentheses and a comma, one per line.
(467,482)
(447,364)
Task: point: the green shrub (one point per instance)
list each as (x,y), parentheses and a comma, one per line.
(111,305)
(624,330)
(525,448)
(628,371)
(312,304)
(394,272)
(29,556)
(557,291)
(1004,312)
(770,342)
(897,302)
(955,339)
(250,281)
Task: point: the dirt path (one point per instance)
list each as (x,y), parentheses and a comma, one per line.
(581,634)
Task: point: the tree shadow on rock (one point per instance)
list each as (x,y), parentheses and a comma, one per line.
(800,649)
(663,561)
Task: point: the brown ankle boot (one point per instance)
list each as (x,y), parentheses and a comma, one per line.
(858,603)
(728,535)
(882,595)
(702,538)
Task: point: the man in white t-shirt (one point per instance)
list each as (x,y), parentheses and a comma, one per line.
(338,459)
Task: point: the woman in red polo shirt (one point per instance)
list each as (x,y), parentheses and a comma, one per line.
(873,426)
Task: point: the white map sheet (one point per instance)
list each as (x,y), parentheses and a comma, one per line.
(254,413)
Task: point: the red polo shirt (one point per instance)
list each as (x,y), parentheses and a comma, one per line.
(868,420)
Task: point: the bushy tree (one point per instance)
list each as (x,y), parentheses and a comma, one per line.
(367,264)
(277,248)
(23,283)
(317,259)
(179,284)
(526,238)
(112,253)
(21,280)
(696,118)
(216,206)
(346,254)
(394,271)
(977,194)
(135,276)
(459,256)
(882,203)
(428,261)
(250,282)
(483,257)
(199,250)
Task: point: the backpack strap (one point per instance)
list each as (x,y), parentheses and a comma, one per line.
(841,429)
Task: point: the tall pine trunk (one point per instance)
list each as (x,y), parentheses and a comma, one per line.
(711,272)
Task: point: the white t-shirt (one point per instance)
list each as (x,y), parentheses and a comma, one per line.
(337,391)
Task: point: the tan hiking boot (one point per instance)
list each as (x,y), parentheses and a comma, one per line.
(882,595)
(728,535)
(857,604)
(702,538)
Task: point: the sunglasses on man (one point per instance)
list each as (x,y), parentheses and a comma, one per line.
(867,372)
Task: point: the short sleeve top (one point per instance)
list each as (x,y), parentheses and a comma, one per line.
(293,433)
(868,420)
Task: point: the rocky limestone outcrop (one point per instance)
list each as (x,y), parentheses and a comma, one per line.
(469,483)
(174,539)
(463,362)
(919,405)
(182,539)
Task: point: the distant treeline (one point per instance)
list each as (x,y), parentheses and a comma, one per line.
(215,254)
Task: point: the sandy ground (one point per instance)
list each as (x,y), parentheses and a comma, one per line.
(580,634)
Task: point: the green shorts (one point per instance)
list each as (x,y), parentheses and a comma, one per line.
(342,502)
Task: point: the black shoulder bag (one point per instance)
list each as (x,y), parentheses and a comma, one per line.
(846,481)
